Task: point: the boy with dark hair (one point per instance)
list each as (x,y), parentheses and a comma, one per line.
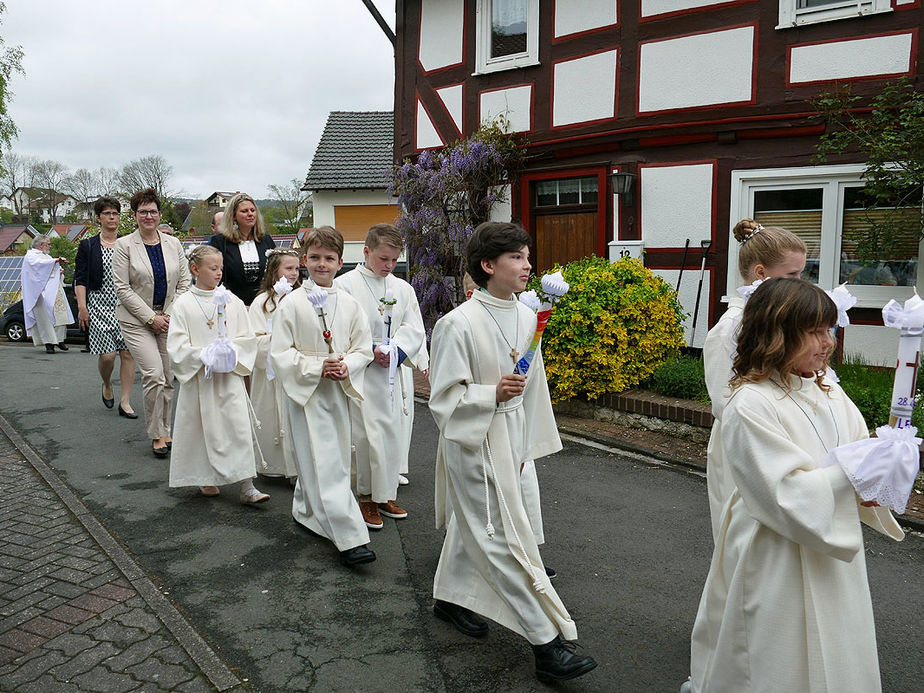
(381,421)
(319,378)
(491,422)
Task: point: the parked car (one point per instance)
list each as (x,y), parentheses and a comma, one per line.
(13,322)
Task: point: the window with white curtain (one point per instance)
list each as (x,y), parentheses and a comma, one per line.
(824,206)
(799,12)
(507,34)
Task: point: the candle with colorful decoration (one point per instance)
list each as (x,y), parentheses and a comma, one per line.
(554,287)
(909,318)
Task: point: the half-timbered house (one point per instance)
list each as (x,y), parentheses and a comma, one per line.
(704,103)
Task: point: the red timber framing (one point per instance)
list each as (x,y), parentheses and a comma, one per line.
(774,128)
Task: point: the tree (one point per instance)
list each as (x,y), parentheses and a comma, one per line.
(891,138)
(16,173)
(53,176)
(108,180)
(200,219)
(294,205)
(83,185)
(445,195)
(151,171)
(62,246)
(10,64)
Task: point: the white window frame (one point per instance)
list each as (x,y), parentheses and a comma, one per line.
(791,16)
(484,63)
(832,180)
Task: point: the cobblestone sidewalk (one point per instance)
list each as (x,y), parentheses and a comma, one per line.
(76,613)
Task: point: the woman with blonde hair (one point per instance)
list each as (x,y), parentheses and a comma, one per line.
(243,242)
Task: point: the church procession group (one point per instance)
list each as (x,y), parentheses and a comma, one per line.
(287,369)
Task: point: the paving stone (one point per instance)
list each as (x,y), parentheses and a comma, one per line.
(196,685)
(50,602)
(173,655)
(116,633)
(30,670)
(66,589)
(93,603)
(101,680)
(8,561)
(85,661)
(101,579)
(78,577)
(69,614)
(21,640)
(156,671)
(71,643)
(142,619)
(29,587)
(137,652)
(114,592)
(7,655)
(14,620)
(46,627)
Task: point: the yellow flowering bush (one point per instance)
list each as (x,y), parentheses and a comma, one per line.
(614,327)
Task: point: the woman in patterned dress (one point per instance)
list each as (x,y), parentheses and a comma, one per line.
(96,304)
(243,243)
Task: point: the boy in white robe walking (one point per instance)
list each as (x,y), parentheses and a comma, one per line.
(212,436)
(381,422)
(320,364)
(491,422)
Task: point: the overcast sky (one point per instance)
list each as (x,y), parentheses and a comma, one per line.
(233,93)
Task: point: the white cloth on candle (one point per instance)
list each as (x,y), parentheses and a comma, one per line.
(212,433)
(268,397)
(318,415)
(381,424)
(786,605)
(501,576)
(882,469)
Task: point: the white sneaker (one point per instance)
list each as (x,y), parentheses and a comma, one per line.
(402,480)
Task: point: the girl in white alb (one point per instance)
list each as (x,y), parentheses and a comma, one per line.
(765,251)
(786,605)
(266,393)
(211,348)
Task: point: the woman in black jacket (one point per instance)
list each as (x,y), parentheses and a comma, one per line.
(243,243)
(96,303)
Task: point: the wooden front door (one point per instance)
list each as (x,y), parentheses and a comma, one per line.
(563,238)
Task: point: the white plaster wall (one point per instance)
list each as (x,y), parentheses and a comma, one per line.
(699,70)
(452,100)
(650,8)
(441,33)
(573,16)
(585,89)
(502,211)
(880,55)
(427,136)
(687,295)
(676,204)
(514,103)
(873,344)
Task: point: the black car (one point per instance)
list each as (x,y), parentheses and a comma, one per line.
(13,322)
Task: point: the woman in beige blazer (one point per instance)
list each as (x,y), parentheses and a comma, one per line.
(149,270)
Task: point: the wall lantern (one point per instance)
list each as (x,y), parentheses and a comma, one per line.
(623,183)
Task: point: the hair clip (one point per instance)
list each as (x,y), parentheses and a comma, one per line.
(281,251)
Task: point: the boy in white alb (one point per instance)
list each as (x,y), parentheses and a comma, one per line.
(491,422)
(381,421)
(320,364)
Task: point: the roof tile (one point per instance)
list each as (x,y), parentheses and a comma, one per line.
(355,152)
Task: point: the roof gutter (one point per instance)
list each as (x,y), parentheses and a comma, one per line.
(373,10)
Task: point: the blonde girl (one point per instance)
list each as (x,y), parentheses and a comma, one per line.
(764,252)
(213,440)
(786,605)
(265,391)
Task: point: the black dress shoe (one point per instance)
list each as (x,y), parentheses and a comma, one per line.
(356,556)
(110,402)
(551,572)
(160,452)
(556,661)
(128,415)
(62,346)
(50,348)
(465,621)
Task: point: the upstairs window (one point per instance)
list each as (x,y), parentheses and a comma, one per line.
(799,12)
(507,34)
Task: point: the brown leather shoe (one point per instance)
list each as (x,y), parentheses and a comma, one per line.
(392,509)
(371,515)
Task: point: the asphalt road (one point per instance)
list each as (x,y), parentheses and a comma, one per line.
(631,543)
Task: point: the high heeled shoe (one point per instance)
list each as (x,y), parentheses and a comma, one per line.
(109,402)
(127,414)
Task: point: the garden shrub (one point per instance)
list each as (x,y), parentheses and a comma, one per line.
(615,326)
(870,388)
(682,376)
